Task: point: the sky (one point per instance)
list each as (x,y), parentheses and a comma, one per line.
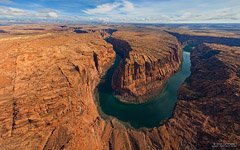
(129,11)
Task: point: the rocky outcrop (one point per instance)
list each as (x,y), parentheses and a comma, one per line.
(149,59)
(199,39)
(2,31)
(121,47)
(206,114)
(47,102)
(104,32)
(211,97)
(46,99)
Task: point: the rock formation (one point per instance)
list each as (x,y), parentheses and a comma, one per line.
(103,31)
(47,102)
(196,38)
(149,59)
(207,109)
(47,81)
(211,96)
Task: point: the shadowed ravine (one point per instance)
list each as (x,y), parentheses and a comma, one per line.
(150,114)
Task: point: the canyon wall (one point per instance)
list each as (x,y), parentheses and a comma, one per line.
(149,59)
(207,110)
(46,90)
(211,96)
(194,38)
(47,102)
(103,31)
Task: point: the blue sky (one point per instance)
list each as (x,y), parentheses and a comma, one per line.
(140,11)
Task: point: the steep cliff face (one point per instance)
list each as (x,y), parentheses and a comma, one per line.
(102,31)
(211,97)
(121,47)
(199,39)
(47,102)
(46,90)
(149,59)
(206,111)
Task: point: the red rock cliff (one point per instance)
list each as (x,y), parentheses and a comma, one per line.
(149,59)
(46,90)
(206,111)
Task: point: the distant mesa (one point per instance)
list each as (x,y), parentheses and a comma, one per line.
(79,31)
(34,29)
(2,31)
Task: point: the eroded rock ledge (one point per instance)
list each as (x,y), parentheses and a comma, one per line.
(46,90)
(206,111)
(211,97)
(194,38)
(149,59)
(47,102)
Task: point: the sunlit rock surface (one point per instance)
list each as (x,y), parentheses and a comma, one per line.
(46,99)
(47,102)
(150,57)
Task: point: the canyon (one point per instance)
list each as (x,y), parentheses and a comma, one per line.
(48,78)
(46,89)
(149,58)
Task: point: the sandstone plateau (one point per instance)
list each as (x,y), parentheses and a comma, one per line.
(207,110)
(46,89)
(48,78)
(209,102)
(150,57)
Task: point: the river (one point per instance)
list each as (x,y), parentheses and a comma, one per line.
(150,114)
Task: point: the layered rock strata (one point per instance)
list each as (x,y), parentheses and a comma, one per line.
(46,99)
(199,39)
(47,102)
(104,32)
(211,96)
(149,59)
(207,109)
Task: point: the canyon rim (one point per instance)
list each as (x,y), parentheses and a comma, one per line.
(119,75)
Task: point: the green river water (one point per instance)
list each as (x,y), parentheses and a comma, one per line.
(152,113)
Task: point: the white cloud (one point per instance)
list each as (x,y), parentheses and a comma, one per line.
(128,6)
(47,13)
(222,15)
(6,1)
(102,9)
(169,11)
(9,11)
(152,11)
(104,19)
(121,7)
(53,14)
